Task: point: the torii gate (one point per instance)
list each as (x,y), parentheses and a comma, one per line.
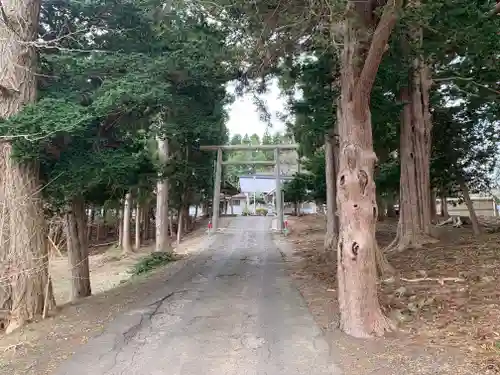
(220,163)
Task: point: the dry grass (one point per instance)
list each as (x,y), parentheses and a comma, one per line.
(454,317)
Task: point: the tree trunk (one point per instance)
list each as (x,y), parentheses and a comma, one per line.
(381,204)
(433,207)
(389,203)
(196,213)
(180,218)
(90,223)
(332,224)
(415,219)
(78,251)
(186,219)
(23,231)
(127,210)
(100,222)
(138,213)
(163,241)
(360,312)
(120,227)
(145,222)
(476,228)
(444,207)
(171,225)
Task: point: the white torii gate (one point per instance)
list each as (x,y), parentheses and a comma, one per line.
(275,162)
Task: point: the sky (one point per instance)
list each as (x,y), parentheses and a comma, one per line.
(244,116)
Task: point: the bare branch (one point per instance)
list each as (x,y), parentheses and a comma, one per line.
(377,49)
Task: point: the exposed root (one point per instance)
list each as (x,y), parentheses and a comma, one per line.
(384,268)
(409,241)
(440,280)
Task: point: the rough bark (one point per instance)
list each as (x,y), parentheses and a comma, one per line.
(332,222)
(163,240)
(476,228)
(127,211)
(23,232)
(138,214)
(415,218)
(78,251)
(363,49)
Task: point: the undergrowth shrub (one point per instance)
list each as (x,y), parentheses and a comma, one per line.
(152,261)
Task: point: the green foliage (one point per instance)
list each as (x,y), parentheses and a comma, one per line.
(233,172)
(130,71)
(315,165)
(260,211)
(150,262)
(296,190)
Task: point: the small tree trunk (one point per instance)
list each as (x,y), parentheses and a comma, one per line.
(381,208)
(120,227)
(145,222)
(171,225)
(444,207)
(196,213)
(433,207)
(138,213)
(78,251)
(127,208)
(332,225)
(163,241)
(100,222)
(179,225)
(389,204)
(90,224)
(186,219)
(476,228)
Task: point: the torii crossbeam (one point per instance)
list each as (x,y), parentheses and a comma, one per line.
(218,173)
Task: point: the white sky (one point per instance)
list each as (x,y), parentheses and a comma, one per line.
(244,116)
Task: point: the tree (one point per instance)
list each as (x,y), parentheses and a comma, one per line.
(460,62)
(162,238)
(296,191)
(362,54)
(94,122)
(23,254)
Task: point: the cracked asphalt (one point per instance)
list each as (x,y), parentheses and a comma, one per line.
(231,310)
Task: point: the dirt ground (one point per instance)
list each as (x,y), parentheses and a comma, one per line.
(446,304)
(41,346)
